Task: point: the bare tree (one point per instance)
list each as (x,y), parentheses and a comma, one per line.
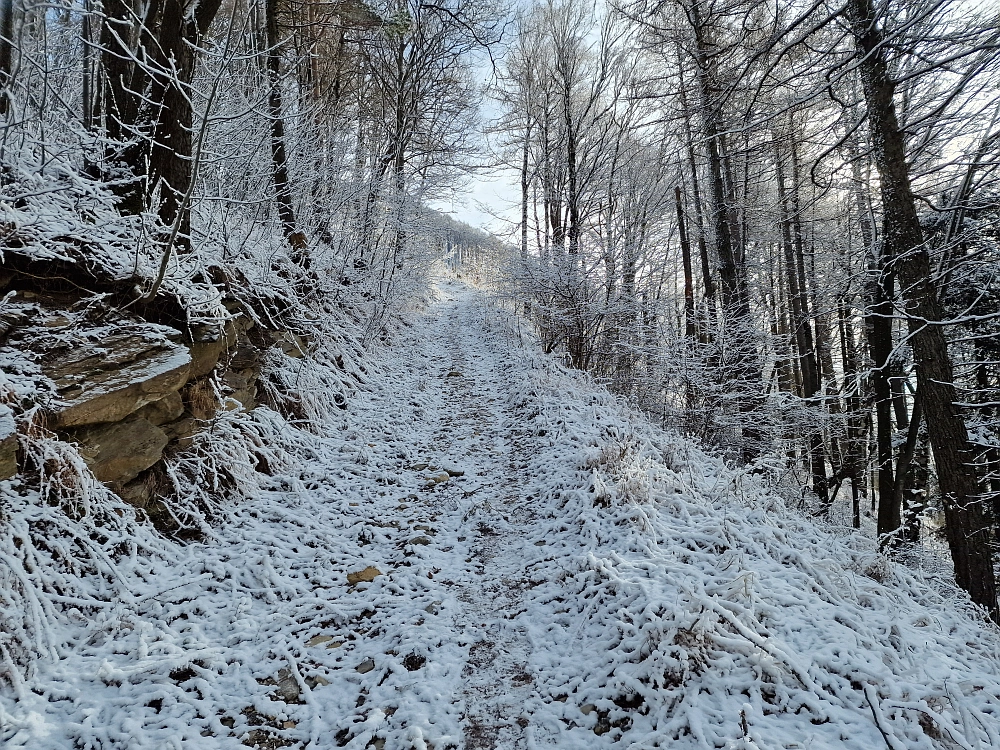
(968,534)
(147,66)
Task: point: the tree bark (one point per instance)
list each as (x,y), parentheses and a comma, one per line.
(525,149)
(279,156)
(732,278)
(904,464)
(147,105)
(968,530)
(572,196)
(690,327)
(708,321)
(86,59)
(6,53)
(878,331)
(853,454)
(795,278)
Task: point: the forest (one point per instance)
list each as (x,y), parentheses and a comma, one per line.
(766,235)
(774,228)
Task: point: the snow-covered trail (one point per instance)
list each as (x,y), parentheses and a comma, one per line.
(488,552)
(262,637)
(475,436)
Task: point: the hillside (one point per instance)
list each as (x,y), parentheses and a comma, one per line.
(485,550)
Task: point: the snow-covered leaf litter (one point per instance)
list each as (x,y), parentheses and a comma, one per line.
(654,595)
(704,614)
(182,646)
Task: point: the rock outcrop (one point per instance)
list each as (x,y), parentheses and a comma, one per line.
(8,444)
(207,345)
(118,381)
(119,451)
(112,384)
(114,373)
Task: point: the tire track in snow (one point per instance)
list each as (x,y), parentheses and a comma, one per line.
(476,431)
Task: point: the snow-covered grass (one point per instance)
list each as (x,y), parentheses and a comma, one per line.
(708,615)
(552,572)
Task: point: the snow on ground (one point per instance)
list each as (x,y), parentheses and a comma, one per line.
(486,551)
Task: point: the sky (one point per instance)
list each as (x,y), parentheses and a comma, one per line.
(488,199)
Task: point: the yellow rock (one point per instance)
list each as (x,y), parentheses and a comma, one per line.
(363,576)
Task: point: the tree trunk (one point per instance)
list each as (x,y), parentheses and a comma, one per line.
(690,328)
(735,299)
(853,454)
(784,371)
(708,321)
(968,531)
(878,331)
(525,182)
(87,54)
(172,118)
(147,108)
(279,156)
(6,53)
(904,490)
(795,277)
(118,104)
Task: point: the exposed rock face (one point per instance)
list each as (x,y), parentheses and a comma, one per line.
(183,431)
(243,371)
(165,410)
(116,383)
(125,380)
(207,346)
(8,444)
(107,380)
(118,452)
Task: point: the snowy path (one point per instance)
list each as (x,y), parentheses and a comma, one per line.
(487,552)
(494,517)
(450,400)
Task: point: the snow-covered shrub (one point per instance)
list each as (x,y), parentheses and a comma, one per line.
(696,608)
